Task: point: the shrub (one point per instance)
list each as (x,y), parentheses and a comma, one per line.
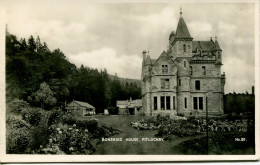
(16,106)
(177,127)
(112,110)
(68,141)
(33,116)
(41,132)
(18,136)
(181,114)
(55,117)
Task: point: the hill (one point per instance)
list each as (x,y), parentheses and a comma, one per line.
(46,78)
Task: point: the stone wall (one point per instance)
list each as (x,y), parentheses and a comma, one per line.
(212,70)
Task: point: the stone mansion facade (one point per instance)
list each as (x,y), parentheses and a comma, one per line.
(185,79)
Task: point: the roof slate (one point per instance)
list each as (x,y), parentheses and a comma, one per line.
(204,45)
(123,102)
(182,30)
(148,60)
(84,104)
(216,46)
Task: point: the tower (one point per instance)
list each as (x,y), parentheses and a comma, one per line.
(181,53)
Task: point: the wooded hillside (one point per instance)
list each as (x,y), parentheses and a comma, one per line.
(45,78)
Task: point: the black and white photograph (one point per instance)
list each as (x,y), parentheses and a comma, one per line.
(129,81)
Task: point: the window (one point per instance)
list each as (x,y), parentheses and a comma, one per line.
(197,85)
(203,70)
(179,82)
(190,70)
(184,48)
(164,68)
(168,102)
(219,55)
(174,102)
(165,84)
(162,103)
(198,103)
(201,103)
(155,103)
(195,103)
(184,63)
(185,102)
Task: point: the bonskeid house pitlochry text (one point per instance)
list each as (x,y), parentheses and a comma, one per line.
(185,79)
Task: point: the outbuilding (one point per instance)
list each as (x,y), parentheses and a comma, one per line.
(80,108)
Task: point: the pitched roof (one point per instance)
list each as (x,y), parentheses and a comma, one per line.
(171,34)
(122,102)
(138,102)
(130,104)
(182,30)
(84,104)
(148,60)
(204,45)
(216,46)
(153,61)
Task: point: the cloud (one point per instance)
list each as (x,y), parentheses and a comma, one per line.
(113,35)
(238,75)
(124,66)
(200,30)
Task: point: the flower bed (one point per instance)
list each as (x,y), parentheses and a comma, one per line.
(167,125)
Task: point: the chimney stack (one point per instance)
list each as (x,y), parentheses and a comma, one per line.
(144,55)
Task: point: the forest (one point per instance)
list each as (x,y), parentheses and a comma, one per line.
(45,78)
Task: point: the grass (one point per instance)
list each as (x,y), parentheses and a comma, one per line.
(191,145)
(122,123)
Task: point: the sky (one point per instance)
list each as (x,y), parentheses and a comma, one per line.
(113,35)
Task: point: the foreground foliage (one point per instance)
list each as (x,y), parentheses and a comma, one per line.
(37,131)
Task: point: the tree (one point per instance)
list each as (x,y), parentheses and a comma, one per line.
(32,44)
(44,96)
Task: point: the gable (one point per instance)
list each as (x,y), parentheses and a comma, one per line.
(163,58)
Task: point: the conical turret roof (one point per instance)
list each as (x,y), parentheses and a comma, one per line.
(216,46)
(182,30)
(148,60)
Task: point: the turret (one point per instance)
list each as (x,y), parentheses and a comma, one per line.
(217,51)
(182,42)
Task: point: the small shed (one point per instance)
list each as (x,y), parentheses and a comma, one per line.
(129,107)
(122,107)
(80,108)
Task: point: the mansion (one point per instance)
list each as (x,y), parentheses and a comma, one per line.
(186,79)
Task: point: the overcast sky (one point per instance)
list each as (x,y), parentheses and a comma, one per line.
(113,35)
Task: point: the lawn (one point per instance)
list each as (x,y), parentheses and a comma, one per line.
(175,146)
(122,123)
